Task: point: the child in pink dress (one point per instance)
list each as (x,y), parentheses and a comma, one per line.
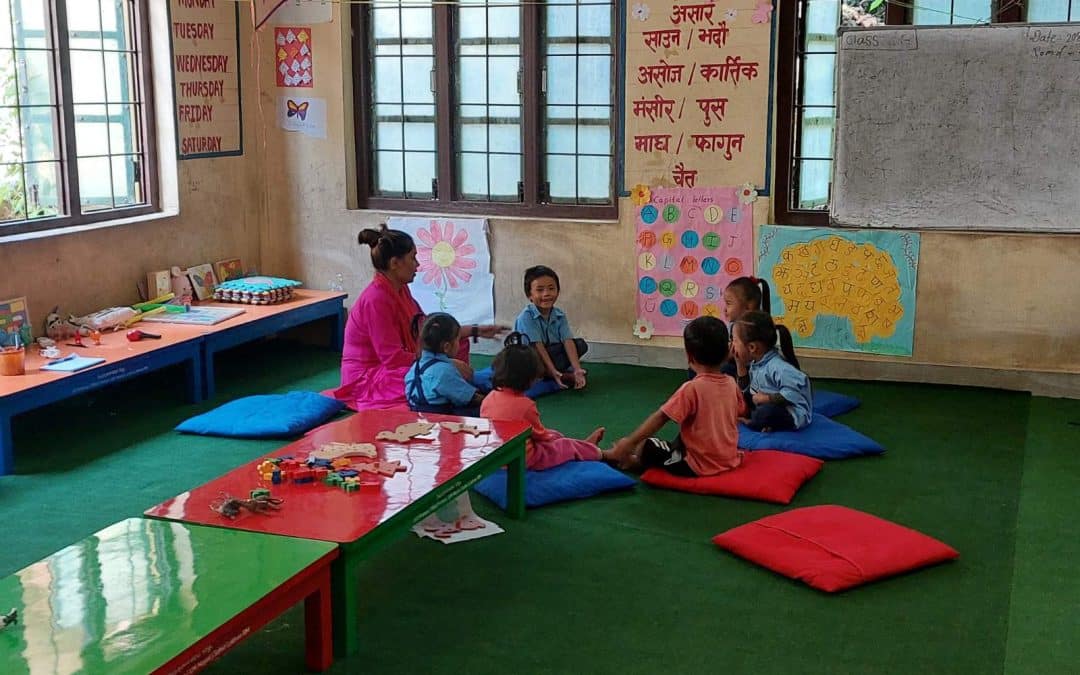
(516,368)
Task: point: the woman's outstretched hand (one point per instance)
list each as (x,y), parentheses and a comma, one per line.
(492,331)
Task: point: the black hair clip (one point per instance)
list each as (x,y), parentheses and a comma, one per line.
(517,339)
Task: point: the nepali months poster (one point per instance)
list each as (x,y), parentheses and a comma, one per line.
(698,79)
(206,77)
(690,243)
(847,290)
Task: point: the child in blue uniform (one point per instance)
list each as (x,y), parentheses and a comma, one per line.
(434,383)
(777,392)
(548,330)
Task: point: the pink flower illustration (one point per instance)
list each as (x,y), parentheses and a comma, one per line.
(444,259)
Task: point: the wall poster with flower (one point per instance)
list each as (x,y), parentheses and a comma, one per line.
(455,267)
(691,242)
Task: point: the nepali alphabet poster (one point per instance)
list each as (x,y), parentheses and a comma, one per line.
(847,290)
(691,242)
(455,267)
(698,80)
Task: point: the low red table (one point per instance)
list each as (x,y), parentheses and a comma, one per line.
(362,521)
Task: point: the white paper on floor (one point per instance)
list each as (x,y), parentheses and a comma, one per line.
(456,522)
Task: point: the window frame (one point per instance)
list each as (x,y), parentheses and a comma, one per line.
(789,30)
(65,129)
(531,205)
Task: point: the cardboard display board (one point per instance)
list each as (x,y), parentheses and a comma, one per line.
(206,77)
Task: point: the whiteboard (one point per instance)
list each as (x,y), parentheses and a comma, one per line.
(961,128)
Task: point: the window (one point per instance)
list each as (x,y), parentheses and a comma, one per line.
(806,93)
(76,145)
(496,108)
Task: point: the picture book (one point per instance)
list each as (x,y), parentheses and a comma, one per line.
(197,316)
(72,363)
(15,318)
(203,281)
(231,268)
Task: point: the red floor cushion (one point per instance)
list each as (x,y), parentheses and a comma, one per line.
(764,475)
(833,548)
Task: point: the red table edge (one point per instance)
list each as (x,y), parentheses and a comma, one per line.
(312,585)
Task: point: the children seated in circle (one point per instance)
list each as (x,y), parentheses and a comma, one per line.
(776,391)
(742,295)
(435,383)
(548,329)
(706,408)
(517,368)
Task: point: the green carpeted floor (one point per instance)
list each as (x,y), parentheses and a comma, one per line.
(631,583)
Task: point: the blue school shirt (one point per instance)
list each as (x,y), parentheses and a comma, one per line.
(441,382)
(555,328)
(772,374)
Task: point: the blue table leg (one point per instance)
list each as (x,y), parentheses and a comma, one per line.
(337,325)
(194,369)
(7,446)
(208,372)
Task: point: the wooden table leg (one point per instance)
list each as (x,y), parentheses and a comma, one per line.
(346,610)
(515,485)
(7,446)
(318,634)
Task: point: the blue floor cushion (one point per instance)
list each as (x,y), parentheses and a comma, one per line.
(573,480)
(822,438)
(482,381)
(831,404)
(266,416)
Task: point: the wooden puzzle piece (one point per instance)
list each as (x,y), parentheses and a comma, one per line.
(382,468)
(336,450)
(463,428)
(405,432)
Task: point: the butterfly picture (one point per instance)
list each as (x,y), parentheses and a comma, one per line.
(298,109)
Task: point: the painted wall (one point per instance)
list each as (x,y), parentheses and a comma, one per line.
(996,302)
(984,301)
(219,201)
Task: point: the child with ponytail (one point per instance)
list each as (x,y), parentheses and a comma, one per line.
(777,392)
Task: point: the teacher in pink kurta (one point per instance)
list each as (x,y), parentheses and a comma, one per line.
(380,334)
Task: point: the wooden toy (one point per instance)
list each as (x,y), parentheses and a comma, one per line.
(463,428)
(382,468)
(335,451)
(405,432)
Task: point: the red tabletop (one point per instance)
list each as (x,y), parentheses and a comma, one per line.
(318,511)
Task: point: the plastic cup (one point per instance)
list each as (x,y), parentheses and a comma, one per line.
(13,361)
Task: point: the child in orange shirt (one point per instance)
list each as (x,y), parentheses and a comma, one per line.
(706,408)
(516,368)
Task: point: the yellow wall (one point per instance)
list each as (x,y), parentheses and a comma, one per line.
(996,302)
(88,270)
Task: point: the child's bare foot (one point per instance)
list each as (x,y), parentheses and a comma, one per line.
(596,436)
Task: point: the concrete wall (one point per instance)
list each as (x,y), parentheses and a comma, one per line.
(991,309)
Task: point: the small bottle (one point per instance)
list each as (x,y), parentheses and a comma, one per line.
(337,283)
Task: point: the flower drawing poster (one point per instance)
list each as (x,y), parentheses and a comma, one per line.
(455,267)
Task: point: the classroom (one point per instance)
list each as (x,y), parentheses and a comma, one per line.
(202,187)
